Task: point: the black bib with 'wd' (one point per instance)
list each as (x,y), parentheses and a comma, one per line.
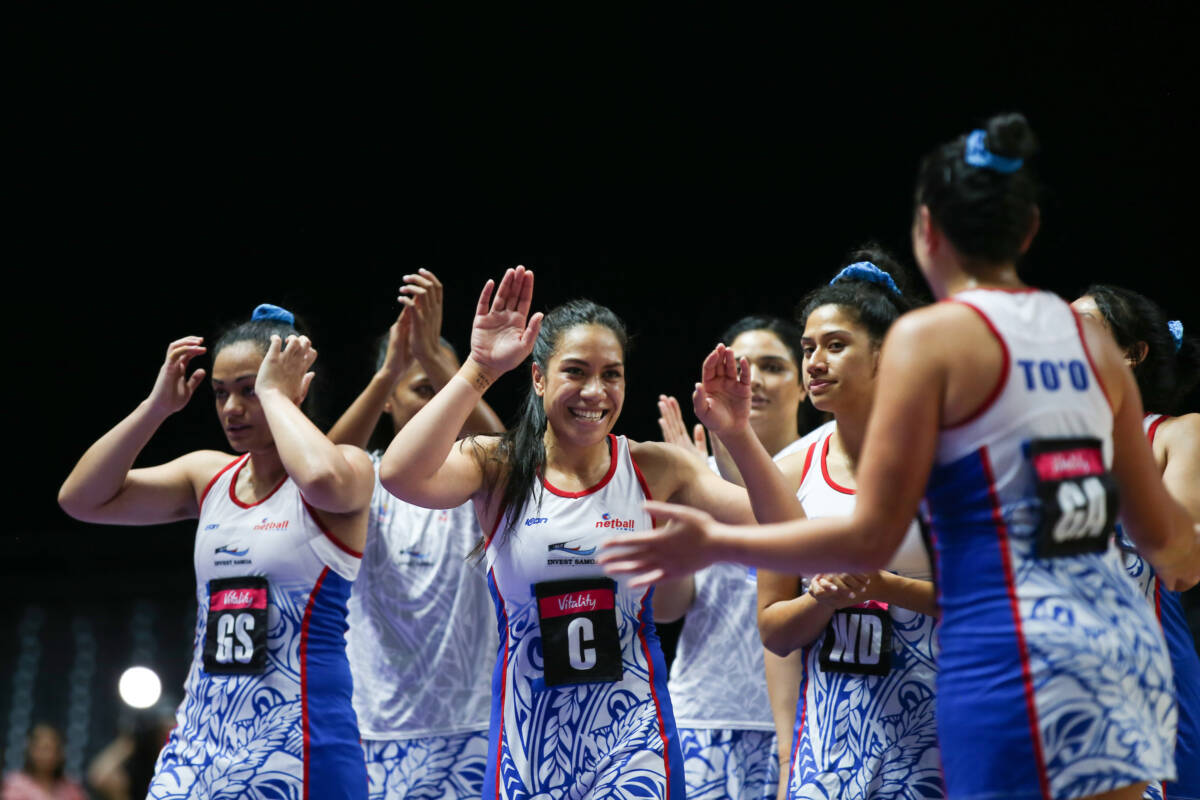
(858,641)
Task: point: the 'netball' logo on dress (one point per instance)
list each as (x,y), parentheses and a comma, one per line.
(267,525)
(609,521)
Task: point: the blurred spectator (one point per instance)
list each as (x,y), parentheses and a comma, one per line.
(122,770)
(42,776)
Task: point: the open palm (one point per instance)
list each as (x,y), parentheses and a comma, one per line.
(501,337)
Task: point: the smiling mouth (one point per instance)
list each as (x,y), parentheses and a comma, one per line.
(589,414)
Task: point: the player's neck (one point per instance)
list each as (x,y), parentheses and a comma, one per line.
(263,472)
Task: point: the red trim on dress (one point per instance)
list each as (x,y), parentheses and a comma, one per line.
(612,470)
(808,461)
(503,682)
(1088,353)
(1010,582)
(312,598)
(488,541)
(825,469)
(345,548)
(1153,429)
(645,486)
(1005,367)
(233,483)
(223,470)
(662,728)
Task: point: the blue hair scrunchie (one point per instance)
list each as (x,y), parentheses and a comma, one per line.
(271,312)
(866,271)
(1176,329)
(978,155)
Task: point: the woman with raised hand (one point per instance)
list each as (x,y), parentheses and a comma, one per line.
(268,696)
(1166,364)
(579,705)
(1015,421)
(725,716)
(421,631)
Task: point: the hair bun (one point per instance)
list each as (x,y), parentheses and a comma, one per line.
(1009,136)
(266,311)
(868,272)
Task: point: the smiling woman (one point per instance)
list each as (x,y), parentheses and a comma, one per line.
(267,707)
(579,705)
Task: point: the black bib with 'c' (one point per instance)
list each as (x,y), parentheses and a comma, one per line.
(235,642)
(578,622)
(858,641)
(1079,497)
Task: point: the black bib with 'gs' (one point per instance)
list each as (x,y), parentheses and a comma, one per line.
(1079,497)
(235,642)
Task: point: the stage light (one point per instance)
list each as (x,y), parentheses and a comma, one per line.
(139,687)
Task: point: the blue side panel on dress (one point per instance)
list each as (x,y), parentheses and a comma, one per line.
(1186,664)
(648,635)
(981,670)
(497,719)
(335,767)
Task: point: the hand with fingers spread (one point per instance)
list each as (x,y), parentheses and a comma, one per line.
(504,332)
(722,398)
(670,422)
(840,590)
(174,387)
(285,368)
(688,543)
(421,295)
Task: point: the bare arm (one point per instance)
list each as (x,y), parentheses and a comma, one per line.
(359,420)
(332,477)
(911,593)
(788,619)
(103,487)
(1181,437)
(423,465)
(783,690)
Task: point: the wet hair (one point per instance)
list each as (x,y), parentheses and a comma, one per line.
(790,335)
(521,453)
(1165,374)
(259,330)
(985,212)
(873,305)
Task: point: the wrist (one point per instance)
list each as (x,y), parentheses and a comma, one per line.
(439,367)
(478,376)
(154,411)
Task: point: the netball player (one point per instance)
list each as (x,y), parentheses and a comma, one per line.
(1016,422)
(281,528)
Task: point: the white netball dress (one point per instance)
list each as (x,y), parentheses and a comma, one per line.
(579,698)
(1049,653)
(267,711)
(421,643)
(865,725)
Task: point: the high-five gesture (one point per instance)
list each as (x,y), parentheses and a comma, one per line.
(174,388)
(722,398)
(285,369)
(501,337)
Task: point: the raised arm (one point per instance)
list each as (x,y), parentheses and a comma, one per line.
(423,465)
(103,486)
(422,295)
(331,477)
(356,424)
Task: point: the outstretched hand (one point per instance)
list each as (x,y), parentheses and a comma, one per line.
(421,295)
(722,398)
(285,367)
(670,422)
(688,543)
(503,332)
(173,387)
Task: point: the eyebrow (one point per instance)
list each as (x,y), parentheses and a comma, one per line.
(238,379)
(826,334)
(585,362)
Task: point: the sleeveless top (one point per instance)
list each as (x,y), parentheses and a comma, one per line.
(1047,652)
(865,723)
(579,699)
(268,694)
(717,679)
(1168,607)
(421,623)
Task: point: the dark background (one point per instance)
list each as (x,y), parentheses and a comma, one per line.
(172,173)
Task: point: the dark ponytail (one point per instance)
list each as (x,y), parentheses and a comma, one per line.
(1169,370)
(980,191)
(521,452)
(868,296)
